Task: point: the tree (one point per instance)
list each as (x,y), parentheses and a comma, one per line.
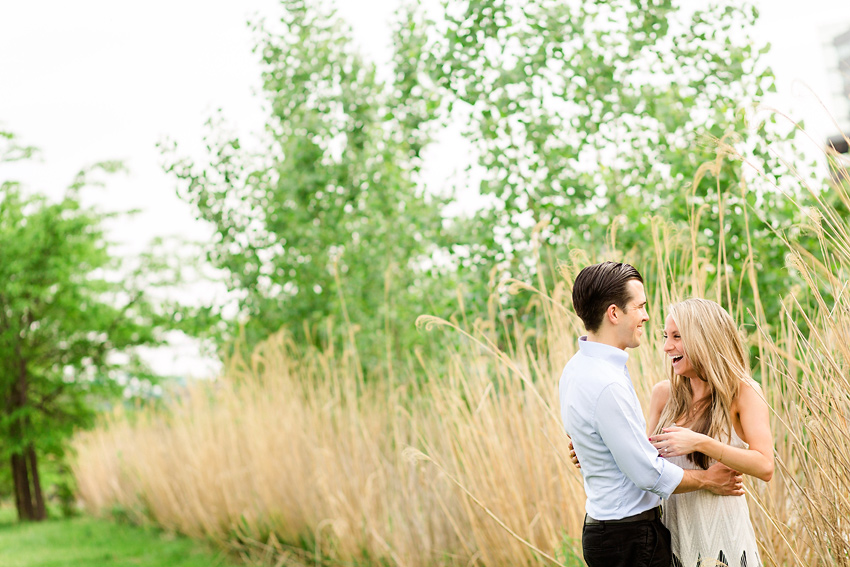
(329,220)
(63,320)
(596,112)
(584,115)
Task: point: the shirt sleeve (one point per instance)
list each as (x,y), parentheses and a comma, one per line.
(623,431)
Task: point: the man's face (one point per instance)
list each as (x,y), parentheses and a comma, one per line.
(631,320)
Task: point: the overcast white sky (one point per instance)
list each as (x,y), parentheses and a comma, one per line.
(93,80)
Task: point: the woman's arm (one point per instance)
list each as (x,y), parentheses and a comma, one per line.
(754,414)
(657,401)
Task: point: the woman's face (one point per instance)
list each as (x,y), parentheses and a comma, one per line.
(674,348)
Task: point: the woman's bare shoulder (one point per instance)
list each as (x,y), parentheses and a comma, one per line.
(657,401)
(750,387)
(661,392)
(749,393)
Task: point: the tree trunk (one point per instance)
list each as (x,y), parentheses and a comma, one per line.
(40,511)
(29,499)
(23,500)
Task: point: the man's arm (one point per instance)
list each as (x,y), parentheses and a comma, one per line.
(623,430)
(624,435)
(718,479)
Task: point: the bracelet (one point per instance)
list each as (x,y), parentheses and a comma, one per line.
(720,458)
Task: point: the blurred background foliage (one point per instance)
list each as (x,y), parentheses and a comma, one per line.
(585,120)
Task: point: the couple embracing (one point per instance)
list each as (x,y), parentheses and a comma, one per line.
(669,492)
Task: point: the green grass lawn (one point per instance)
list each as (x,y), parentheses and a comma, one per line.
(89,542)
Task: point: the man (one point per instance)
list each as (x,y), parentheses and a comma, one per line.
(624,477)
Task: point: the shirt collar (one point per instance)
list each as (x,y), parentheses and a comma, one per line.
(602,351)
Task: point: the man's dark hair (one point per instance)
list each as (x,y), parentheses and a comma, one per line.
(598,286)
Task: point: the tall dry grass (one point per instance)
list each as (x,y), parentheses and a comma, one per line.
(293,456)
(458,465)
(804,514)
(291,459)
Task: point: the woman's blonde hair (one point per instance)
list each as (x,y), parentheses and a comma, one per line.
(712,343)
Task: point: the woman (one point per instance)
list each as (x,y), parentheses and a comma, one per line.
(710,410)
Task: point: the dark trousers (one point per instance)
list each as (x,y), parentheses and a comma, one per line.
(645,543)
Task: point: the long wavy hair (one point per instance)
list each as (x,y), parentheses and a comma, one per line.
(713,344)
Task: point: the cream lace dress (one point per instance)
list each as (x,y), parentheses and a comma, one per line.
(710,530)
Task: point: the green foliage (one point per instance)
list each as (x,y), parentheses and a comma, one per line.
(56,324)
(67,498)
(591,115)
(65,317)
(587,117)
(332,197)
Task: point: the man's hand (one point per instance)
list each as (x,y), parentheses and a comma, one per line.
(724,481)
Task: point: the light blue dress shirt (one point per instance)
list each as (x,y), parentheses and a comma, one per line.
(623,474)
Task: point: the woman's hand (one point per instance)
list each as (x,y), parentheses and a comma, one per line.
(573,456)
(676,441)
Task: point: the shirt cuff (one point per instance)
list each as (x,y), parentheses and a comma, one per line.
(670,478)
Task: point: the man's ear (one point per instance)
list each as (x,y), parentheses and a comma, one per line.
(613,314)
